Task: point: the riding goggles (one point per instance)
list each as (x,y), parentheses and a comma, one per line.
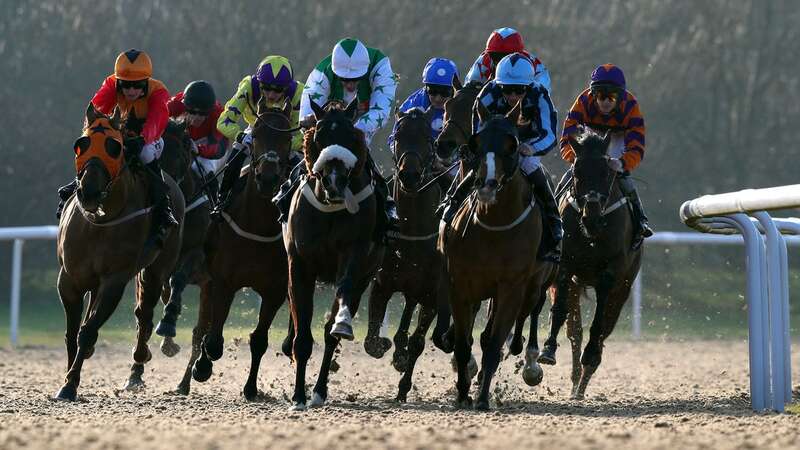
(440,91)
(351,80)
(513,89)
(606,93)
(273,88)
(197,112)
(127,84)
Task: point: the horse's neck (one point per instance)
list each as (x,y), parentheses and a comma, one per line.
(417,211)
(128,193)
(512,200)
(252,211)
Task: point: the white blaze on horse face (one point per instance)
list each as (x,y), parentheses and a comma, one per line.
(491,171)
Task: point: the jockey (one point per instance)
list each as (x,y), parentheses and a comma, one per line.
(438,77)
(514,82)
(199,108)
(132,89)
(352,71)
(608,106)
(274,84)
(503,42)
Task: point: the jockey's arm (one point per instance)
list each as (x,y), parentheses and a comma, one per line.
(105,99)
(157,116)
(317,88)
(176,106)
(384,85)
(546,123)
(294,120)
(634,139)
(478,71)
(229,119)
(575,117)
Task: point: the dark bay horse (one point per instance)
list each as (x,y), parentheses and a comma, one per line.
(176,161)
(101,245)
(597,252)
(411,264)
(246,250)
(330,237)
(490,248)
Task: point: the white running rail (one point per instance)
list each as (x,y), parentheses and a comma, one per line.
(767,278)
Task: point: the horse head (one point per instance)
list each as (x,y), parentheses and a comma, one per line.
(98,157)
(592,179)
(335,149)
(272,146)
(176,159)
(413,149)
(494,148)
(456,123)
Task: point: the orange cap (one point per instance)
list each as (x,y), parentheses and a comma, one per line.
(133,65)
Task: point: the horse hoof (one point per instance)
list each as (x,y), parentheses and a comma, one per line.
(250,393)
(142,356)
(298,407)
(483,405)
(202,369)
(464,403)
(169,348)
(532,375)
(213,347)
(548,356)
(165,329)
(334,367)
(67,393)
(317,400)
(401,397)
(182,389)
(134,385)
(286,347)
(342,330)
(375,347)
(577,396)
(472,367)
(400,361)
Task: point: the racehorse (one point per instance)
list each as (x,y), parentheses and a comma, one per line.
(101,245)
(597,252)
(491,246)
(412,264)
(246,250)
(330,236)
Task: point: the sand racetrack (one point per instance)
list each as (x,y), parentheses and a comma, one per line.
(645,395)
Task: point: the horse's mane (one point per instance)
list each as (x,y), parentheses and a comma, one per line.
(413,124)
(311,150)
(592,142)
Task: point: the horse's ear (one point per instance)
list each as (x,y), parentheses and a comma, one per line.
(287,108)
(482,110)
(352,110)
(514,114)
(457,83)
(318,111)
(261,107)
(115,118)
(577,147)
(91,113)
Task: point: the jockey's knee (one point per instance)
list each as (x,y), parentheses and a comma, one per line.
(530,164)
(151,151)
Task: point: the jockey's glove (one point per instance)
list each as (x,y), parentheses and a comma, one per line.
(616,165)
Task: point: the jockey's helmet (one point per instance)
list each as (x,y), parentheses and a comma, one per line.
(439,71)
(350,59)
(607,75)
(133,65)
(199,96)
(275,71)
(515,69)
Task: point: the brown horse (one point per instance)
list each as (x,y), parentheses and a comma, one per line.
(101,245)
(246,250)
(456,125)
(412,264)
(490,248)
(597,252)
(330,237)
(176,161)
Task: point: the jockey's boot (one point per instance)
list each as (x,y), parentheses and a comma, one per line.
(283,199)
(642,228)
(163,220)
(229,178)
(64,193)
(455,197)
(550,248)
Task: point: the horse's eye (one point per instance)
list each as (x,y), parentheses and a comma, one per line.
(113,148)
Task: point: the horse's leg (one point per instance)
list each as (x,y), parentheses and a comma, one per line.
(558,314)
(177,283)
(575,330)
(148,291)
(592,353)
(107,296)
(221,298)
(347,263)
(462,326)
(416,344)
(286,346)
(72,301)
(532,372)
(400,356)
(442,315)
(301,302)
(614,301)
(505,311)
(375,345)
(200,330)
(320,391)
(272,297)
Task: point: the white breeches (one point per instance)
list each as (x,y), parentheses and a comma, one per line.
(151,151)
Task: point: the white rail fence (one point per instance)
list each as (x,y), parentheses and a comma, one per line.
(767,279)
